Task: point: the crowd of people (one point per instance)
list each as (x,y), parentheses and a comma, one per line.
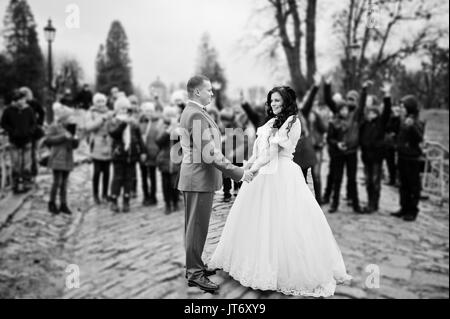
(126,136)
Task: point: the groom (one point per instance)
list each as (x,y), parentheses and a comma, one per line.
(200,176)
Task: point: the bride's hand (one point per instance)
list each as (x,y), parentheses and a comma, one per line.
(247,166)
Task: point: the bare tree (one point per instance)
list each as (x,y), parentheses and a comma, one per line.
(377,51)
(289,31)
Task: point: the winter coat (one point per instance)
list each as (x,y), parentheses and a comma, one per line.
(163,160)
(137,147)
(97,124)
(392,130)
(61,148)
(346,130)
(372,135)
(20,124)
(305,155)
(352,128)
(410,137)
(149,139)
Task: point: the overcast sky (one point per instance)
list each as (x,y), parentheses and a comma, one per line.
(164,36)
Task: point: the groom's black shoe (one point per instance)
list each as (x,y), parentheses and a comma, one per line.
(204,284)
(209,272)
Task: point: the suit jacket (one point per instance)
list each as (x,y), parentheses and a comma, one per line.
(203,163)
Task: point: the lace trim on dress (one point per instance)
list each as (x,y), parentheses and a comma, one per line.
(246,278)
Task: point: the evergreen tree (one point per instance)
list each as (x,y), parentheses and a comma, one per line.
(100,66)
(69,75)
(22,48)
(208,63)
(114,66)
(209,66)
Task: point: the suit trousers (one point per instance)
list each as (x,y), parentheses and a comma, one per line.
(198,208)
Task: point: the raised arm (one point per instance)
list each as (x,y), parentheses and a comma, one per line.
(387,103)
(328,96)
(359,113)
(307,106)
(252,115)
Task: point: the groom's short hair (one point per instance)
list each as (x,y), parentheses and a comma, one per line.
(196,81)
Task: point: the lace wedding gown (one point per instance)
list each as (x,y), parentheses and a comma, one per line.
(276,236)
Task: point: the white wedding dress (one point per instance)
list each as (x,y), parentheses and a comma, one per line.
(276,236)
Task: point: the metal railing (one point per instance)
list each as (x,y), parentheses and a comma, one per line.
(5,164)
(435,180)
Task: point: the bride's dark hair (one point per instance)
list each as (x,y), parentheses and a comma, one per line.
(289,107)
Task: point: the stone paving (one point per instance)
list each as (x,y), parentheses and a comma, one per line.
(141,254)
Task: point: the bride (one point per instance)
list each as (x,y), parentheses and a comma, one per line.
(276,236)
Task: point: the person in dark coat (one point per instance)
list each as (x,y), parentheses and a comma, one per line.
(410,153)
(372,146)
(61,140)
(351,100)
(256,115)
(19,121)
(127,149)
(390,141)
(343,140)
(168,141)
(305,153)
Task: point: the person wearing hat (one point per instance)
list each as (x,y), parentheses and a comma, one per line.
(97,123)
(372,134)
(409,158)
(19,121)
(61,139)
(127,149)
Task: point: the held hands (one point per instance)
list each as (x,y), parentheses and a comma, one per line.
(248,176)
(247,166)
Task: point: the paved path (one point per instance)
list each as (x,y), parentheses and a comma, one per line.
(140,254)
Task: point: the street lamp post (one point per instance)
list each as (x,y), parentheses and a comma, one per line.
(50,32)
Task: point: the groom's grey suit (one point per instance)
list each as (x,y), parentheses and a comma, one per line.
(200,177)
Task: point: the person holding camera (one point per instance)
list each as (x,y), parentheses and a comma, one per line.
(127,149)
(62,140)
(167,141)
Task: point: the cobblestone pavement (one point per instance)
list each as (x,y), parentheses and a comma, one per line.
(141,254)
